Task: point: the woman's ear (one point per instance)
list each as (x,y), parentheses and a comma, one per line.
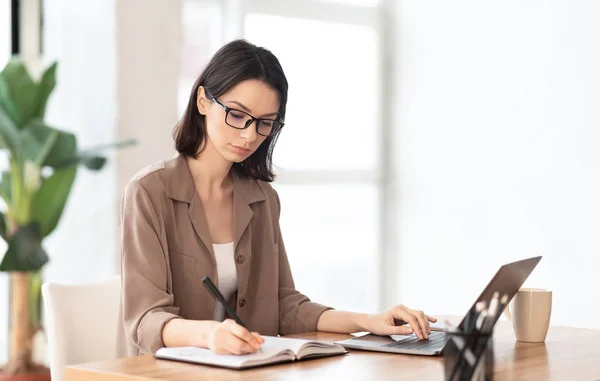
(201,101)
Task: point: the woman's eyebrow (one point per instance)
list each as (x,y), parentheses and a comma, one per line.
(249,111)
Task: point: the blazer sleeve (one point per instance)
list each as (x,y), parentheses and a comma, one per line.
(297,314)
(147,305)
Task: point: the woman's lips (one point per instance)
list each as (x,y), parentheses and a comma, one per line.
(241,150)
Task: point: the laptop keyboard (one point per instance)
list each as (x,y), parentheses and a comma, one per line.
(436,341)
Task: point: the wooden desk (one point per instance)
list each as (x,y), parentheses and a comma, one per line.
(567,354)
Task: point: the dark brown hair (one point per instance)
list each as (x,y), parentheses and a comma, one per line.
(235,62)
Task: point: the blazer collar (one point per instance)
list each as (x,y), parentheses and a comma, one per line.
(179,183)
(179,186)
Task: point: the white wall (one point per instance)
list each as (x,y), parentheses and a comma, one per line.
(148,50)
(497,135)
(148,73)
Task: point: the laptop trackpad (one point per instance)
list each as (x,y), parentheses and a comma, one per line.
(371,338)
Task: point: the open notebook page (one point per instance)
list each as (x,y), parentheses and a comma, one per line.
(274,349)
(302,348)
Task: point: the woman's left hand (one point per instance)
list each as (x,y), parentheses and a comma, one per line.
(384,323)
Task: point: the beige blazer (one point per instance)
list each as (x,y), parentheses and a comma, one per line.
(167,250)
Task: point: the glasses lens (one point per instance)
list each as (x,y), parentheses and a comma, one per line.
(237,119)
(268,127)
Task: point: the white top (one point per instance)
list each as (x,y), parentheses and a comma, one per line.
(226,275)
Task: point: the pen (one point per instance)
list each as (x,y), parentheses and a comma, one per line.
(475,342)
(502,305)
(479,307)
(489,321)
(473,328)
(214,291)
(480,320)
(460,343)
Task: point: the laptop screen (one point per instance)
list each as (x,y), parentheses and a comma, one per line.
(508,280)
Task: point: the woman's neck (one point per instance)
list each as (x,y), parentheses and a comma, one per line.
(210,172)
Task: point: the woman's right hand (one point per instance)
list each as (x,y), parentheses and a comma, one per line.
(229,337)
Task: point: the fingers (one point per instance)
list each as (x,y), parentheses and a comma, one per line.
(253,340)
(403,330)
(226,343)
(431,319)
(246,336)
(258,337)
(237,346)
(413,322)
(423,324)
(417,320)
(230,338)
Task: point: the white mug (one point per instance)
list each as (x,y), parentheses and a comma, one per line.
(530,317)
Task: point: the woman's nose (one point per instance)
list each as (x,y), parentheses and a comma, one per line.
(249,134)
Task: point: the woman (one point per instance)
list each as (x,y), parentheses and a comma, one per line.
(210,211)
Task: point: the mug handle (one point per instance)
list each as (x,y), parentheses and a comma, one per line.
(507,312)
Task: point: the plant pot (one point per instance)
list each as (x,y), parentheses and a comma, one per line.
(42,373)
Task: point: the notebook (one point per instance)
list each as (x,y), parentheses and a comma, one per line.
(273,351)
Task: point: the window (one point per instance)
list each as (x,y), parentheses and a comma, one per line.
(332,229)
(328,155)
(333,95)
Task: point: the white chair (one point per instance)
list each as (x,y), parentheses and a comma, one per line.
(81,323)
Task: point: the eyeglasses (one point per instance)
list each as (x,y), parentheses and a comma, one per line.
(241,120)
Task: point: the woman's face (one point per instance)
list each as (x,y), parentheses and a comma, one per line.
(253,97)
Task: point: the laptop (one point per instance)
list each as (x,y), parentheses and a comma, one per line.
(508,280)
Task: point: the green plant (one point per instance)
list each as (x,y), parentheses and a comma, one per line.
(42,165)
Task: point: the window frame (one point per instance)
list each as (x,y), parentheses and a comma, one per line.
(381,176)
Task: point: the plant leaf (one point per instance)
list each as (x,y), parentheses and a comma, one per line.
(37,141)
(5,187)
(94,163)
(45,87)
(64,151)
(3,226)
(6,102)
(121,144)
(50,199)
(22,90)
(9,133)
(25,252)
(90,157)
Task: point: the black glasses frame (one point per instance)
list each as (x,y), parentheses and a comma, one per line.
(252,119)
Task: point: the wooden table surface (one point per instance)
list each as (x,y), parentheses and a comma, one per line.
(567,354)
